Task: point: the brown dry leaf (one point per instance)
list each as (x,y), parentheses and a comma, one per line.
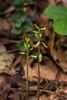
(7,90)
(62,64)
(2,48)
(53,97)
(62,88)
(5,63)
(4,4)
(51,2)
(63,77)
(44,20)
(1,81)
(42,4)
(44,97)
(59,53)
(10,9)
(48,70)
(17,95)
(59,3)
(32,98)
(3,86)
(65,2)
(4,24)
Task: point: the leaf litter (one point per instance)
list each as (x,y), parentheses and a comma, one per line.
(53,68)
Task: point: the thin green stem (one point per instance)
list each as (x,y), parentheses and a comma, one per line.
(38,84)
(27,74)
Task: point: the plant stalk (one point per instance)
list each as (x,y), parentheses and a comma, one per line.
(38,84)
(27,74)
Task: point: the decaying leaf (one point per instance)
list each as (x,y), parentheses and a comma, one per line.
(5,63)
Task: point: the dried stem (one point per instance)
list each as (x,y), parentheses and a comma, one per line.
(38,67)
(27,74)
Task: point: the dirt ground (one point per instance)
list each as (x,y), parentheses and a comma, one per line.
(53,67)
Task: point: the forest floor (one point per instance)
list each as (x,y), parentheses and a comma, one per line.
(53,68)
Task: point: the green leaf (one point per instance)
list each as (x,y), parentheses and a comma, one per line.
(18,5)
(55,12)
(28,26)
(27,1)
(18,22)
(23,16)
(21,46)
(14,19)
(60,26)
(32,36)
(16,31)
